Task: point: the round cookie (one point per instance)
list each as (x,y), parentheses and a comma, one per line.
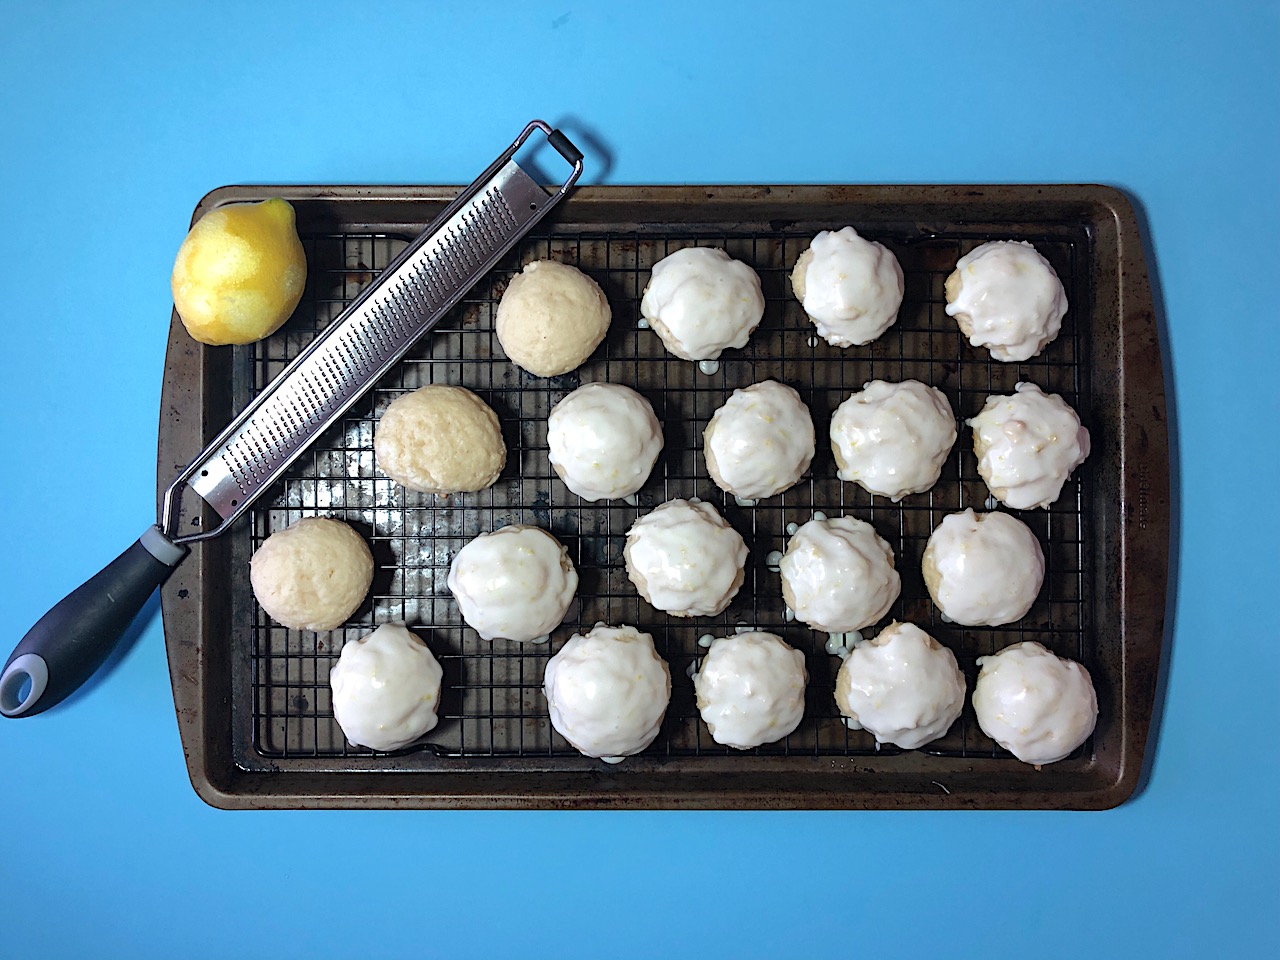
(1006,297)
(850,288)
(685,559)
(901,686)
(312,575)
(1027,444)
(440,439)
(892,438)
(983,570)
(513,584)
(607,691)
(838,575)
(603,440)
(1036,705)
(760,442)
(750,689)
(701,301)
(386,688)
(551,318)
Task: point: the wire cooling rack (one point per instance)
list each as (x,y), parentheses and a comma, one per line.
(492,703)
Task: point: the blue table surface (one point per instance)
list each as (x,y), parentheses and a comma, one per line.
(117,118)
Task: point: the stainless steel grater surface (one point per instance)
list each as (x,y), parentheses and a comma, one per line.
(408,299)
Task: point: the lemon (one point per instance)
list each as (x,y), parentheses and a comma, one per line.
(239,272)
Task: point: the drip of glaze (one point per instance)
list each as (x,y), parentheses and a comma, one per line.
(613,759)
(709,366)
(692,669)
(632,500)
(819,515)
(991,502)
(945,618)
(851,723)
(773,560)
(643,323)
(792,528)
(706,640)
(744,502)
(789,614)
(813,341)
(743,628)
(542,639)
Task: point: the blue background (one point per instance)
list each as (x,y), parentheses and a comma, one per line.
(117,118)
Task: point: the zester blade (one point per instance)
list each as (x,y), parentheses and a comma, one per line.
(410,297)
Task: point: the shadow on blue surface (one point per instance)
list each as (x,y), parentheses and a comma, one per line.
(1175,494)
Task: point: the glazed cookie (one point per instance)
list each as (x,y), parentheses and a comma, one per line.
(850,288)
(760,442)
(701,301)
(1027,444)
(892,438)
(983,570)
(750,689)
(514,584)
(838,575)
(386,688)
(1006,297)
(603,441)
(607,691)
(685,559)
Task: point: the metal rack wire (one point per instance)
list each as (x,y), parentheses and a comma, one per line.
(492,701)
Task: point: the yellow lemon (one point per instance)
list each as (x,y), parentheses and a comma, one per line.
(240,272)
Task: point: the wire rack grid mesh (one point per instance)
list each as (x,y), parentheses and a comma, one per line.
(492,703)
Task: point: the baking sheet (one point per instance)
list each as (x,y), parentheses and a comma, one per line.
(259,728)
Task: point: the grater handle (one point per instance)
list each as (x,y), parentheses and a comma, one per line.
(70,642)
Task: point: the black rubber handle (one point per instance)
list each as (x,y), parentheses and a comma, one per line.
(564,146)
(71,641)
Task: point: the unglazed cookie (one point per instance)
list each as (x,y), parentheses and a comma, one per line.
(603,440)
(440,439)
(1036,705)
(386,688)
(685,559)
(902,686)
(892,438)
(838,575)
(851,288)
(750,689)
(701,301)
(312,575)
(760,442)
(515,583)
(551,318)
(983,570)
(607,691)
(1006,297)
(1027,444)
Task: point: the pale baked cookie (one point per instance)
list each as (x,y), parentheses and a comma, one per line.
(850,288)
(607,691)
(760,442)
(1036,705)
(838,575)
(603,441)
(892,438)
(750,689)
(440,439)
(701,301)
(551,318)
(685,559)
(983,570)
(901,686)
(513,584)
(1006,297)
(386,688)
(1027,444)
(312,575)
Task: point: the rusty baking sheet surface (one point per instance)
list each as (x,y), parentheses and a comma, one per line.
(253,697)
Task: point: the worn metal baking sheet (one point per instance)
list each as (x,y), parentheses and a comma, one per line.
(252,697)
